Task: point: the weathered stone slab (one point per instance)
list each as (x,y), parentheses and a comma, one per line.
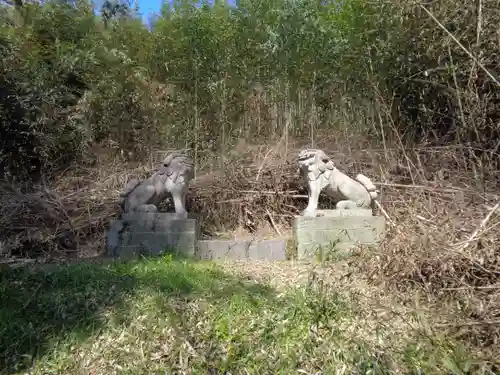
(152,233)
(156,243)
(221,249)
(130,251)
(241,249)
(159,221)
(133,216)
(113,236)
(272,250)
(339,230)
(344,213)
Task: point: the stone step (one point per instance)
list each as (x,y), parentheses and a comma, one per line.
(273,250)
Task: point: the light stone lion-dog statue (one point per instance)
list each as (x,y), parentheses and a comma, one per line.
(320,173)
(172,176)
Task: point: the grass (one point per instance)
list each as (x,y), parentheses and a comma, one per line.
(165,316)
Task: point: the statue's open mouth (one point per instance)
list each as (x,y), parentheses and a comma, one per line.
(305,157)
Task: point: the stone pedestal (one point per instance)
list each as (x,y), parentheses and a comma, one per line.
(336,230)
(151,234)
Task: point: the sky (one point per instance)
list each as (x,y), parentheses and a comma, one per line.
(149,7)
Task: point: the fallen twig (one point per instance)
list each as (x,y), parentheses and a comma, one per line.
(461,45)
(488,287)
(452,189)
(464,324)
(262,165)
(424,219)
(273,223)
(391,223)
(481,226)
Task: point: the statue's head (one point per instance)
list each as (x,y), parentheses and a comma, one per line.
(177,157)
(313,156)
(177,164)
(168,159)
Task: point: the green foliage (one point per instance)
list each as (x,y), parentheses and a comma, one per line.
(42,78)
(165,316)
(71,78)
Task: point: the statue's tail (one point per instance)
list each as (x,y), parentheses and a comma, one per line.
(131,185)
(113,237)
(129,188)
(368,184)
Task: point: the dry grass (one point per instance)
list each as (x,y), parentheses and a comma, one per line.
(441,253)
(162,315)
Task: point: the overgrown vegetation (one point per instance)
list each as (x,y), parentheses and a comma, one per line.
(206,75)
(406,92)
(166,316)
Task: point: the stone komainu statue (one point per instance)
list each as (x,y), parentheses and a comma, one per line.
(172,176)
(320,173)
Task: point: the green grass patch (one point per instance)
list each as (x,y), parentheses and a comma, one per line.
(164,316)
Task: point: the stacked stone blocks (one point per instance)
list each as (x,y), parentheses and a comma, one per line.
(337,230)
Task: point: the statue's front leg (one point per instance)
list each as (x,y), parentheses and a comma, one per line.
(179,197)
(346,205)
(313,189)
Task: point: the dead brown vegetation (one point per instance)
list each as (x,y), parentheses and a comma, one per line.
(444,241)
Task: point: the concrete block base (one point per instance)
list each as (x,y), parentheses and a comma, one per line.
(151,234)
(272,250)
(336,230)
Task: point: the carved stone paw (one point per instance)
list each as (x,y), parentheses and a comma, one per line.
(309,213)
(147,208)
